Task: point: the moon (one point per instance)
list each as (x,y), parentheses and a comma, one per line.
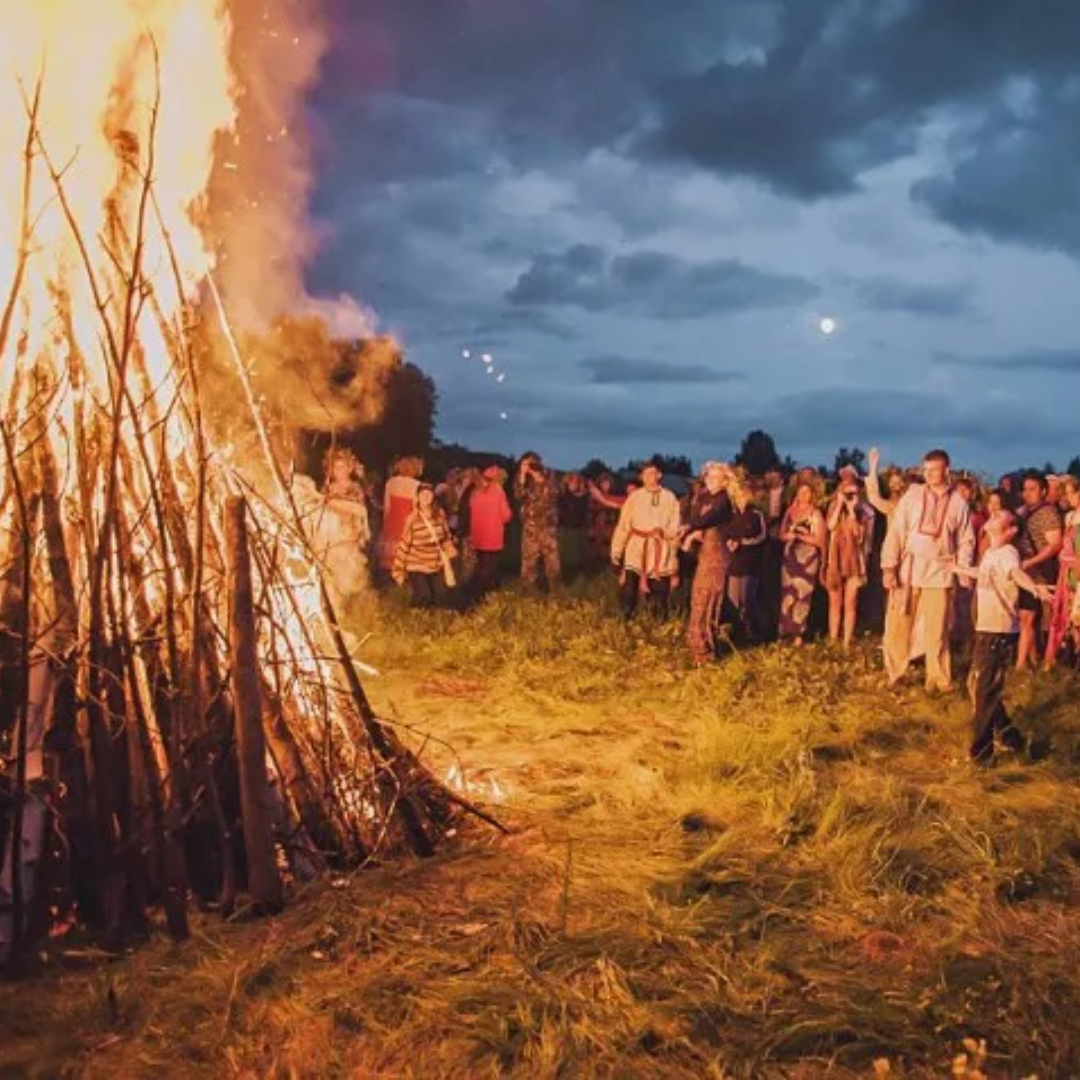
(827,325)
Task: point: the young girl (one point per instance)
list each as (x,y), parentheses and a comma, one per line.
(425,551)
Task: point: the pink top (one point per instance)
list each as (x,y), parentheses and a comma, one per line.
(489,514)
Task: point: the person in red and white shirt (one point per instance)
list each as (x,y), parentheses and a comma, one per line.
(929,533)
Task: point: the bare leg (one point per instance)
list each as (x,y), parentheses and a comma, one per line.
(836,607)
(1025,652)
(851,608)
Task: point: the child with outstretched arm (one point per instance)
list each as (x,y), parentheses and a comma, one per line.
(999,579)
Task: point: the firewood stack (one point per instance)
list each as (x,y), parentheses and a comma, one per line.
(180,715)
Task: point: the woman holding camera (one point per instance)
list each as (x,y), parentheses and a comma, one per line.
(851,532)
(803,534)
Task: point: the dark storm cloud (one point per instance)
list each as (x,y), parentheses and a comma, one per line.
(803,97)
(844,87)
(1061,361)
(653,283)
(886,294)
(1018,174)
(462,137)
(615,370)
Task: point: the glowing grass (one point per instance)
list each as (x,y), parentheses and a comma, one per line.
(770,868)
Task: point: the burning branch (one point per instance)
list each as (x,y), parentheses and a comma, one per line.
(188,634)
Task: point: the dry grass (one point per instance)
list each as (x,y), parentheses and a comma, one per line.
(767,869)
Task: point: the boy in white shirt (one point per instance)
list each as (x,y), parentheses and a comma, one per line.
(999,580)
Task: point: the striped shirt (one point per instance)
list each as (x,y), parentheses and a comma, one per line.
(422,541)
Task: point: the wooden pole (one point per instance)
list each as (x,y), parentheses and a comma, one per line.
(264,882)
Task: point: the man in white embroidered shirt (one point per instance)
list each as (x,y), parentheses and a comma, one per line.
(929,532)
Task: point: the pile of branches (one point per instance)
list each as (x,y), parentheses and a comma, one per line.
(180,714)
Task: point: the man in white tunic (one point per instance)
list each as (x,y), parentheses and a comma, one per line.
(929,531)
(645,545)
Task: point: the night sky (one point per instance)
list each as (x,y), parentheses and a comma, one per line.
(644,209)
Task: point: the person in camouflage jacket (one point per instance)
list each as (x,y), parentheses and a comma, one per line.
(537,494)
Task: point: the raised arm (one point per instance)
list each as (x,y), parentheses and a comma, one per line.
(873,483)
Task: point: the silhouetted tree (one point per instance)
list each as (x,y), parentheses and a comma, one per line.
(675,464)
(1073,468)
(595,468)
(404,426)
(757,454)
(668,464)
(854,457)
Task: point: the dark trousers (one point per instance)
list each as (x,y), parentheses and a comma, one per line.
(486,577)
(765,614)
(427,590)
(992,657)
(658,596)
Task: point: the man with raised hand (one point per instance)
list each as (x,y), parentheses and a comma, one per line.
(929,533)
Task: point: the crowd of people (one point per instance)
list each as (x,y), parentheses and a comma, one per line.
(941,564)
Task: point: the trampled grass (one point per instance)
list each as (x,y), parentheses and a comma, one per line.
(769,868)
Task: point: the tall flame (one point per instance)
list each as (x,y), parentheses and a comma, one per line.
(108,73)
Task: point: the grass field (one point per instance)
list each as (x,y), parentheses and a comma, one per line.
(769,868)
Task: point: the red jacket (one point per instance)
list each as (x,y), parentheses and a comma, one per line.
(489,514)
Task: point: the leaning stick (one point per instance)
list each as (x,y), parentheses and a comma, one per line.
(377,734)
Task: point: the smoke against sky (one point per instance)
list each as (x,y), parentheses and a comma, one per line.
(646,211)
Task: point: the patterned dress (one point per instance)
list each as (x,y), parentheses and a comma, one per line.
(800,571)
(711,513)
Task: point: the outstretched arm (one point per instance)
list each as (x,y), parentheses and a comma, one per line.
(1029,584)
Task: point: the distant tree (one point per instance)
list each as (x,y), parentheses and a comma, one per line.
(668,464)
(757,454)
(443,456)
(1049,468)
(845,457)
(789,466)
(1073,468)
(675,464)
(400,400)
(407,423)
(594,468)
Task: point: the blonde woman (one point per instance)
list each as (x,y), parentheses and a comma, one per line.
(712,512)
(342,530)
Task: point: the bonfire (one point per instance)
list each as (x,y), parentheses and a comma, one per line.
(181,712)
